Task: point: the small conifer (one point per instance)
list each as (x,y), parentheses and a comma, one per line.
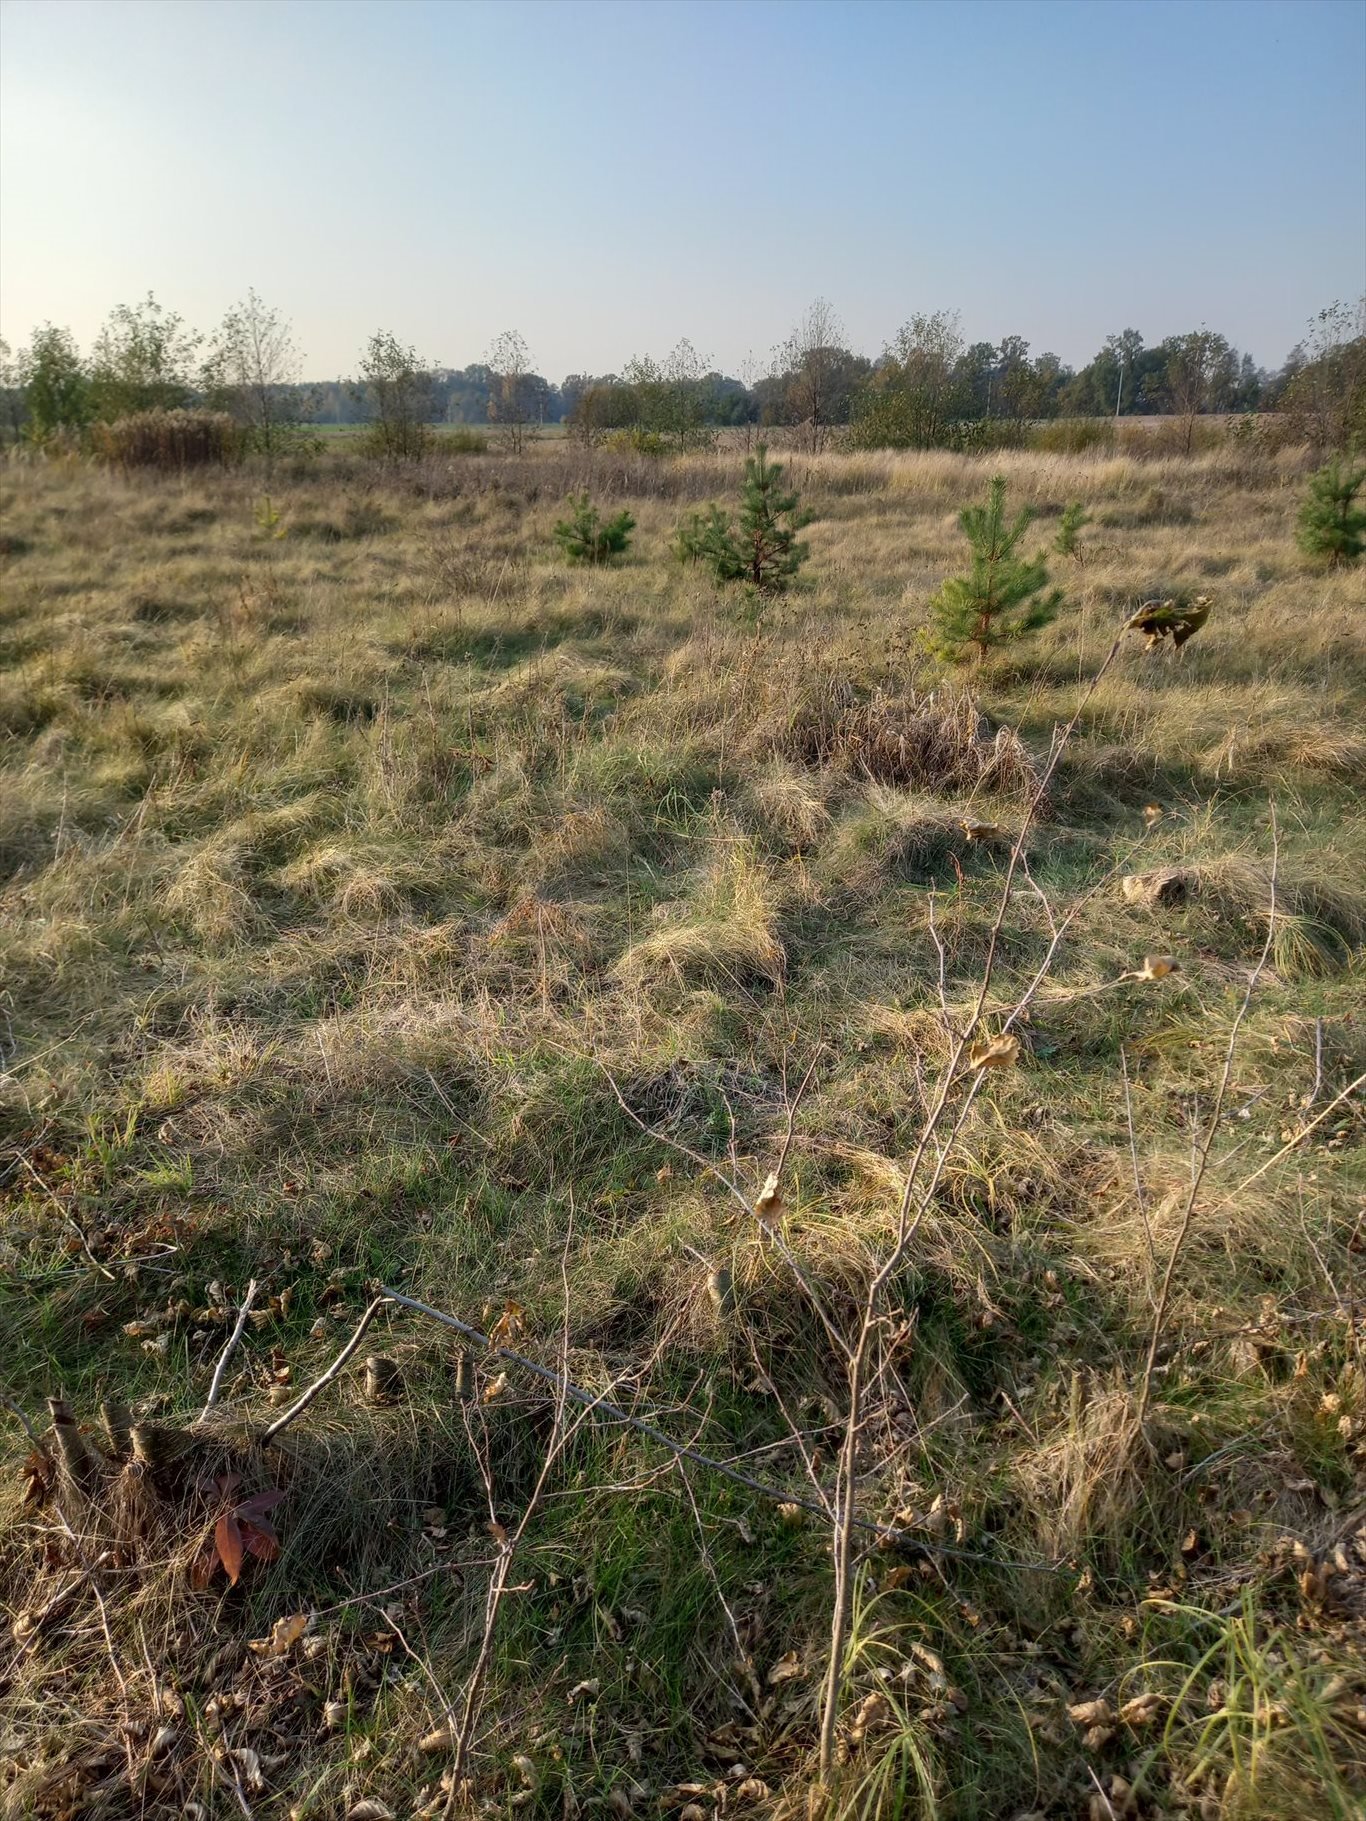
(1002,599)
(1332,527)
(585,537)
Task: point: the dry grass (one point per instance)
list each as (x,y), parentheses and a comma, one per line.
(337,864)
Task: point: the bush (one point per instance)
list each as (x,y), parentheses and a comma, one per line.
(169,440)
(464,442)
(634,442)
(1002,598)
(585,537)
(1332,527)
(389,440)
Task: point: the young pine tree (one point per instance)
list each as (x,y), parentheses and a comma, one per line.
(1074,517)
(1332,527)
(1002,599)
(585,537)
(763,549)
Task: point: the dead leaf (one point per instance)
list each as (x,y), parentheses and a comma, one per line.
(753,1789)
(1178,616)
(441,1739)
(785,1669)
(1091,1713)
(995,1052)
(983,831)
(367,1809)
(495,1388)
(334,1715)
(1142,1710)
(284,1634)
(1153,814)
(227,1540)
(510,1324)
(586,1690)
(769,1208)
(1156,967)
(793,1515)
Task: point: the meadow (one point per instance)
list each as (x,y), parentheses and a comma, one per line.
(384,902)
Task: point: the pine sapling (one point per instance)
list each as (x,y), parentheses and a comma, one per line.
(763,549)
(585,537)
(1002,599)
(1074,517)
(1332,527)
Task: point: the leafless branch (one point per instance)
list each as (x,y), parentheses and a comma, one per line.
(228,1351)
(297,1408)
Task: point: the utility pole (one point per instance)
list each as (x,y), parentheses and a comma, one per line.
(1120,392)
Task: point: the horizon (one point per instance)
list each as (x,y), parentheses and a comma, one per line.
(614,208)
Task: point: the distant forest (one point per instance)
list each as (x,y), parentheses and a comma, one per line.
(929,387)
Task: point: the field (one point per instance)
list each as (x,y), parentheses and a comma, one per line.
(383,901)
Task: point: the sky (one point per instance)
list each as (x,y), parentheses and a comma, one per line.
(608,176)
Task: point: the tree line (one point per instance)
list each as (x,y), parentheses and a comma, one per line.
(929,387)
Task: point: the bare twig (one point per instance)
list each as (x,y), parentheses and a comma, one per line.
(1200,1160)
(216,1384)
(17,1411)
(1139,1194)
(297,1408)
(71,1221)
(1303,1133)
(915,1202)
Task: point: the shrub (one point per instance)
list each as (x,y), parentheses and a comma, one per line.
(763,549)
(1074,517)
(634,442)
(1332,527)
(585,537)
(1002,597)
(169,440)
(464,441)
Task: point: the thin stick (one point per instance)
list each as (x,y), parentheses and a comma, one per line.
(216,1384)
(297,1408)
(1201,1159)
(29,1430)
(1139,1194)
(592,1401)
(1301,1135)
(71,1221)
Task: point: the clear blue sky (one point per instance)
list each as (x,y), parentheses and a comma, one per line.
(608,177)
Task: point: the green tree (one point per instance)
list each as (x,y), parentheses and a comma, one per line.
(1324,385)
(1199,373)
(251,372)
(763,549)
(56,387)
(512,395)
(919,389)
(586,537)
(1002,598)
(396,390)
(1332,527)
(143,360)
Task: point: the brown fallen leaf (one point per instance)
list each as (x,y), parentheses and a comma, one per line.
(784,1669)
(1142,1710)
(1091,1713)
(495,1388)
(984,831)
(769,1207)
(368,1809)
(1153,814)
(441,1739)
(509,1325)
(995,1052)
